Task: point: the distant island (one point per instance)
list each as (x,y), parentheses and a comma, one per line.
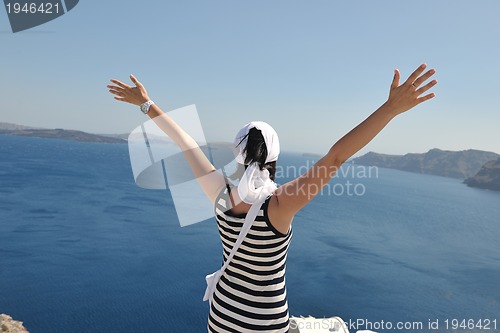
(313,155)
(455,164)
(488,177)
(58,133)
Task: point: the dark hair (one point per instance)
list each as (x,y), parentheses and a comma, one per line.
(256,151)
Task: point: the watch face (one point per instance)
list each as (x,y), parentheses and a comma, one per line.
(145,106)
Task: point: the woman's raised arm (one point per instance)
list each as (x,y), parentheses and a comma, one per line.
(294,195)
(210,180)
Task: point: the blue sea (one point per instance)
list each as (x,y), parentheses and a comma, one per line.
(83,249)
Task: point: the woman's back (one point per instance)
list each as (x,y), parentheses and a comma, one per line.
(251,294)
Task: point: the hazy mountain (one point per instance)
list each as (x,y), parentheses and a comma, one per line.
(455,164)
(488,177)
(312,155)
(58,133)
(13,127)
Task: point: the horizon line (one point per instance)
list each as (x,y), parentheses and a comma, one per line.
(24,127)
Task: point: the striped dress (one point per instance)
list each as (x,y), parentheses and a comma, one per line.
(251,294)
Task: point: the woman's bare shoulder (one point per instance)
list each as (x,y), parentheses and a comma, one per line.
(279,220)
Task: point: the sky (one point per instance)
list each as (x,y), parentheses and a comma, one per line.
(312,69)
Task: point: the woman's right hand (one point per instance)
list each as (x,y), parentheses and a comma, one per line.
(134,95)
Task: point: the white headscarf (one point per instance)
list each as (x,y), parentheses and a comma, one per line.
(256,185)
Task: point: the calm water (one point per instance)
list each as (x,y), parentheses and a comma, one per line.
(83,249)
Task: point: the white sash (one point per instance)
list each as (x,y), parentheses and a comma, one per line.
(213,278)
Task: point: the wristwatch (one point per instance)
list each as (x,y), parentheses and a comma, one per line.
(145,106)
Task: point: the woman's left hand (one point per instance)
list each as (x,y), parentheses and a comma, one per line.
(409,94)
(134,95)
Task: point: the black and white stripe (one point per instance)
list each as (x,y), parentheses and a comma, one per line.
(251,294)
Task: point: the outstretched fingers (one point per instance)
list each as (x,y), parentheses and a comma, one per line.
(136,82)
(411,79)
(135,94)
(115,91)
(119,89)
(409,94)
(395,80)
(120,84)
(428,86)
(424,77)
(425,98)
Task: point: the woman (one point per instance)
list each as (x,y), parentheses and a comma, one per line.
(251,294)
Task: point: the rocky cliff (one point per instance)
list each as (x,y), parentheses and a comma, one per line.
(488,177)
(9,325)
(455,164)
